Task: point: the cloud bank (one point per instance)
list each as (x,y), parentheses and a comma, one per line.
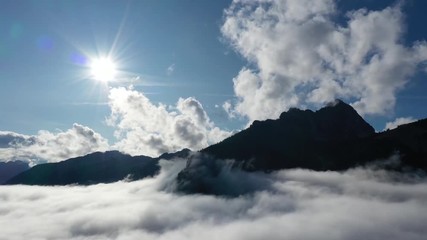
(48,146)
(299,204)
(301,54)
(152,129)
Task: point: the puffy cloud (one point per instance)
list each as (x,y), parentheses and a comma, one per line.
(149,129)
(300,204)
(141,128)
(302,55)
(47,146)
(9,139)
(398,121)
(228,108)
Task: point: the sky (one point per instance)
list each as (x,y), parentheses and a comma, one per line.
(190,73)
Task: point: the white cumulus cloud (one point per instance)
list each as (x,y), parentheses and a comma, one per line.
(398,121)
(302,55)
(151,129)
(141,128)
(49,146)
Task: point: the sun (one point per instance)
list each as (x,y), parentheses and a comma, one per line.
(103,69)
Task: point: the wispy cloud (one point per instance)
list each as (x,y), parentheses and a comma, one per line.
(171,69)
(89,103)
(142,80)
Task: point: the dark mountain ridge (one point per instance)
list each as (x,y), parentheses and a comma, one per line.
(332,138)
(98,167)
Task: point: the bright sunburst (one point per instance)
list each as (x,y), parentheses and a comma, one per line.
(103,69)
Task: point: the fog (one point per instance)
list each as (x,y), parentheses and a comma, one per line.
(361,203)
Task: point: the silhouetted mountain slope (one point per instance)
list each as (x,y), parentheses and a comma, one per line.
(409,140)
(11,169)
(90,169)
(99,167)
(332,138)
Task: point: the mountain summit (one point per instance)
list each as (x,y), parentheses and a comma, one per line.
(332,138)
(299,138)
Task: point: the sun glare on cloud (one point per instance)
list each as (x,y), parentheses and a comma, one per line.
(103,69)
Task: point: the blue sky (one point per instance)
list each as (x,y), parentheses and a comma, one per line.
(42,88)
(46,46)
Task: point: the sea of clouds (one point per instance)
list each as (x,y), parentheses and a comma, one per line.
(361,203)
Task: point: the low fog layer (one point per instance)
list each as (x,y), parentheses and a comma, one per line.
(295,204)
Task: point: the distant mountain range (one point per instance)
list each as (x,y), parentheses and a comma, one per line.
(11,169)
(98,167)
(332,138)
